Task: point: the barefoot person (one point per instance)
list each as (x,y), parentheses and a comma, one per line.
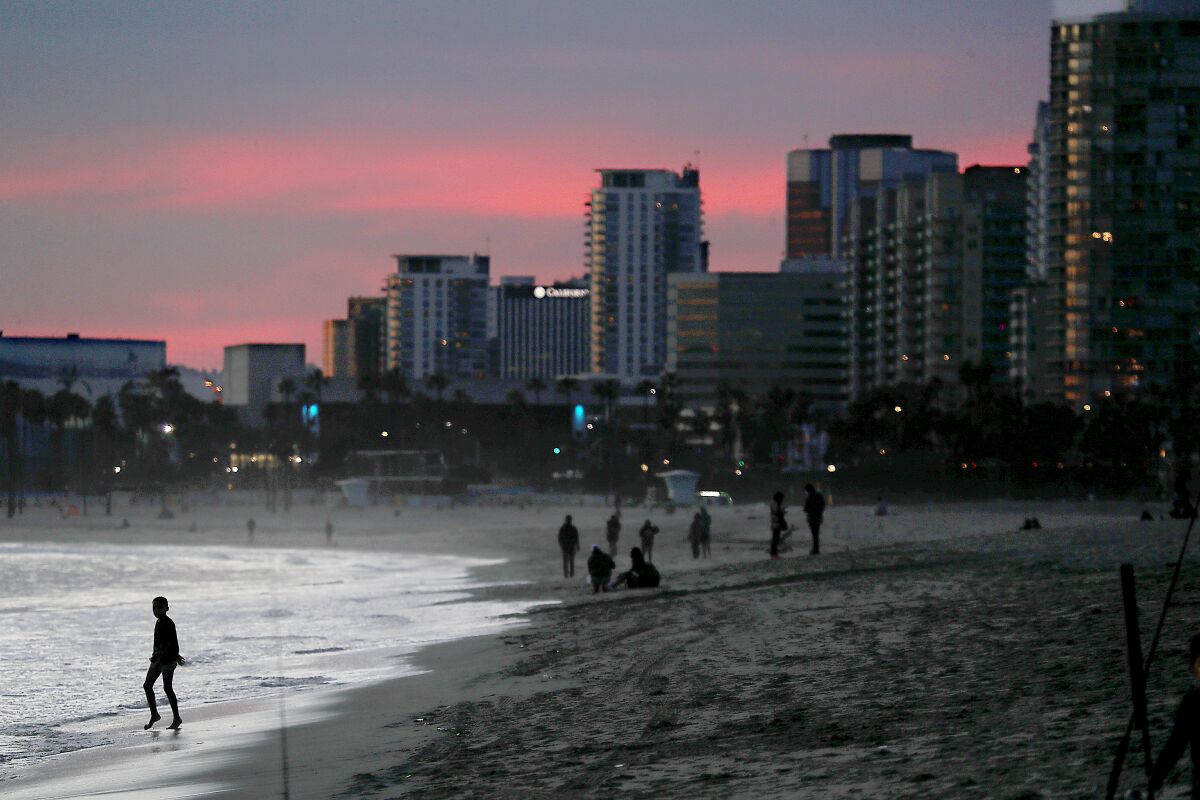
(163,661)
(1186,731)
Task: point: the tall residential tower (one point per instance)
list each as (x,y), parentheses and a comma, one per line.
(1122,198)
(642,225)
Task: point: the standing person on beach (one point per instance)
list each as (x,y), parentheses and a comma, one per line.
(568,542)
(250,530)
(646,534)
(705,533)
(600,569)
(778,522)
(695,534)
(814,512)
(1186,731)
(163,661)
(612,532)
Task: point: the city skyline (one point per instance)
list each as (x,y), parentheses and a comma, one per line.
(281,156)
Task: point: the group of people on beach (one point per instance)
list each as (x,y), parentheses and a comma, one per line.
(601,565)
(814,513)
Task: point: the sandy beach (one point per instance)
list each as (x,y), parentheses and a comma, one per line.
(936,652)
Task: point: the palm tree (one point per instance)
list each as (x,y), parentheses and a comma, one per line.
(607,392)
(287,389)
(437,383)
(10,407)
(315,382)
(647,390)
(536,385)
(105,425)
(566,386)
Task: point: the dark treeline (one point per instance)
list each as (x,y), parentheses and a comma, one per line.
(154,437)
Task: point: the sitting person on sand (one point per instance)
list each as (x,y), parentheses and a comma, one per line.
(600,569)
(641,575)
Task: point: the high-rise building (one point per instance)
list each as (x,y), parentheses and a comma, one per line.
(436,318)
(823,184)
(541,331)
(642,225)
(1028,319)
(353,346)
(366,317)
(1037,197)
(1123,198)
(751,331)
(336,356)
(933,262)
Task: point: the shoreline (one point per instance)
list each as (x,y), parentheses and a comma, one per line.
(368,739)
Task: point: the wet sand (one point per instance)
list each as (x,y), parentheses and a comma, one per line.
(932,653)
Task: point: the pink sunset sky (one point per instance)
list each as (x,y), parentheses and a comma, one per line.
(212,174)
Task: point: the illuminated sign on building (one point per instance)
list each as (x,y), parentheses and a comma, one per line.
(554,291)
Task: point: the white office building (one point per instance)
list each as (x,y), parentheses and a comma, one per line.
(642,225)
(541,330)
(437,316)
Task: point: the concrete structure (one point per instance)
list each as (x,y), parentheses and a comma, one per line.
(366,317)
(436,318)
(253,373)
(1123,202)
(823,184)
(1028,319)
(1037,198)
(933,262)
(542,331)
(95,367)
(642,225)
(337,356)
(754,330)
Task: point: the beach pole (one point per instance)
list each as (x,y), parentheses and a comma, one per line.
(1137,677)
(1123,747)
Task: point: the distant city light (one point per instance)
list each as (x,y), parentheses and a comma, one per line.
(831,468)
(233,469)
(653,390)
(168,428)
(384,434)
(882,451)
(448,423)
(557,451)
(666,462)
(898,409)
(737,472)
(1087,407)
(117,470)
(645,467)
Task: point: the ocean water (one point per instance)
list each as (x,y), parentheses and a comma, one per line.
(76,629)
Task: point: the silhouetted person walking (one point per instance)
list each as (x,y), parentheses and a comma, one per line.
(1186,731)
(568,542)
(778,522)
(328,531)
(814,512)
(250,530)
(705,533)
(163,661)
(646,535)
(612,532)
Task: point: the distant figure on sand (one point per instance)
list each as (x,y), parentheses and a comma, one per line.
(568,543)
(778,522)
(814,512)
(1186,731)
(706,533)
(646,534)
(881,507)
(600,569)
(250,525)
(695,534)
(328,531)
(1031,524)
(163,661)
(641,575)
(612,532)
